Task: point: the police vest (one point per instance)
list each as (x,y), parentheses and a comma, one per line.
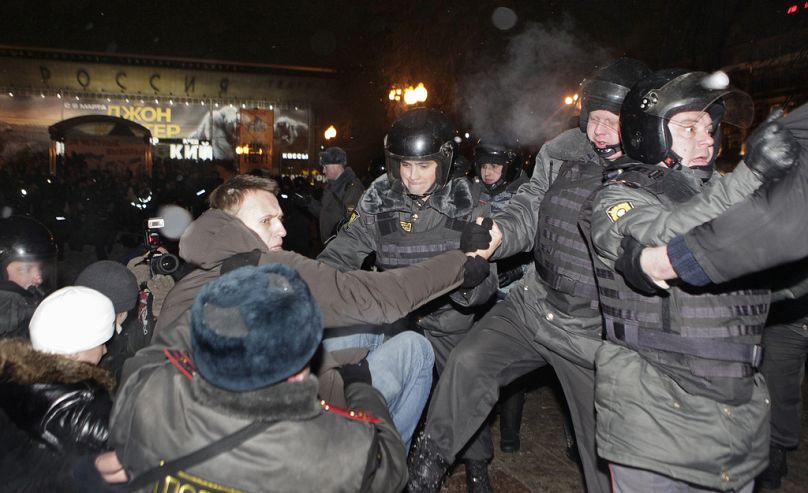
(399,247)
(560,252)
(706,339)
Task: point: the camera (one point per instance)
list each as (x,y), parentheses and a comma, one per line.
(159,262)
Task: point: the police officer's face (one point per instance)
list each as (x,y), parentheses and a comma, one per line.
(603,129)
(692,137)
(490,173)
(332,171)
(25,274)
(261,213)
(419,176)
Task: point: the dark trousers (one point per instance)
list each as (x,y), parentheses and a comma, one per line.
(500,348)
(786,347)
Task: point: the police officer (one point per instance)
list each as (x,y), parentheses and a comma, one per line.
(679,403)
(340,195)
(552,316)
(416,212)
(27,271)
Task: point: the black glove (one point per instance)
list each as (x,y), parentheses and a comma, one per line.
(358,372)
(475,270)
(628,265)
(476,236)
(771,150)
(510,276)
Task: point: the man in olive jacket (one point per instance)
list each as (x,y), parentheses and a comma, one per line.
(250,368)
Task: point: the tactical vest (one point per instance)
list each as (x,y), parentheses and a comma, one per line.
(560,252)
(399,248)
(707,340)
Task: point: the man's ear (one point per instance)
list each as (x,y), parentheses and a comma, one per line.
(240,260)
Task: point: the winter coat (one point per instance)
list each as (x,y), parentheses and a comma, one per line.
(344,298)
(499,199)
(57,401)
(338,203)
(455,202)
(309,447)
(691,437)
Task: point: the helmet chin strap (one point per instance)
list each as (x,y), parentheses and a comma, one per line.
(608,150)
(674,161)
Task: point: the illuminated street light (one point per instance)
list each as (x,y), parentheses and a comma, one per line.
(409,95)
(330,132)
(568,100)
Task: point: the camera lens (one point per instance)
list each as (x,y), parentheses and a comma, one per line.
(165,263)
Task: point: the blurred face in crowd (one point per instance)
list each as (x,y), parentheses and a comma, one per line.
(491,173)
(25,274)
(261,213)
(418,176)
(692,137)
(332,171)
(92,356)
(603,129)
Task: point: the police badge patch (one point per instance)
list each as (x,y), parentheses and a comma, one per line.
(407,227)
(617,211)
(354,217)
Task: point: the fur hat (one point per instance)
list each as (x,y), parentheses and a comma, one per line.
(71,320)
(254,327)
(113,280)
(333,155)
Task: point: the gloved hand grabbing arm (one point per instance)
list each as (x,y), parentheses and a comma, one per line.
(356,373)
(475,271)
(771,150)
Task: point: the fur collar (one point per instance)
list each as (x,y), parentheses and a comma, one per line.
(454,200)
(280,402)
(20,363)
(571,145)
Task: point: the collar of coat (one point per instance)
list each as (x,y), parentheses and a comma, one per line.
(454,200)
(20,363)
(572,145)
(285,401)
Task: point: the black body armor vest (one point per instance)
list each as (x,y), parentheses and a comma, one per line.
(706,339)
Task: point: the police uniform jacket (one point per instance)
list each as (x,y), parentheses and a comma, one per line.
(16,309)
(167,411)
(645,418)
(338,203)
(402,230)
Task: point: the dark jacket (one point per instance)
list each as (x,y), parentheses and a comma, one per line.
(339,201)
(309,447)
(16,308)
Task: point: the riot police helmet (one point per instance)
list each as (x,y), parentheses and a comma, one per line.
(30,244)
(653,101)
(606,89)
(498,155)
(421,134)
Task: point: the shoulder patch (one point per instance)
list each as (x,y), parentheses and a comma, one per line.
(181,361)
(350,413)
(354,217)
(617,211)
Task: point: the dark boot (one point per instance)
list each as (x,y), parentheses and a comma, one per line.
(511,404)
(425,466)
(477,476)
(771,477)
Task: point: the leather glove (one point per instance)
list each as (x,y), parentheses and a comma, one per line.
(476,236)
(628,265)
(771,150)
(356,373)
(475,271)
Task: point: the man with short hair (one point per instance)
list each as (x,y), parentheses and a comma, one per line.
(340,195)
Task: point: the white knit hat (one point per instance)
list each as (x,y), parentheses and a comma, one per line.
(71,320)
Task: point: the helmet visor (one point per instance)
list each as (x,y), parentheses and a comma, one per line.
(698,91)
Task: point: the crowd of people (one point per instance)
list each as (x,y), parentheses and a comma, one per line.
(265,369)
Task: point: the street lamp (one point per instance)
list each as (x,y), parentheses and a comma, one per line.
(408,95)
(330,132)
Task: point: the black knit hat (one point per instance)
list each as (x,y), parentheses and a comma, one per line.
(254,327)
(113,280)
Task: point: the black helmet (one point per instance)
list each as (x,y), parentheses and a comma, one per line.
(420,134)
(378,167)
(496,154)
(460,166)
(606,90)
(26,240)
(654,100)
